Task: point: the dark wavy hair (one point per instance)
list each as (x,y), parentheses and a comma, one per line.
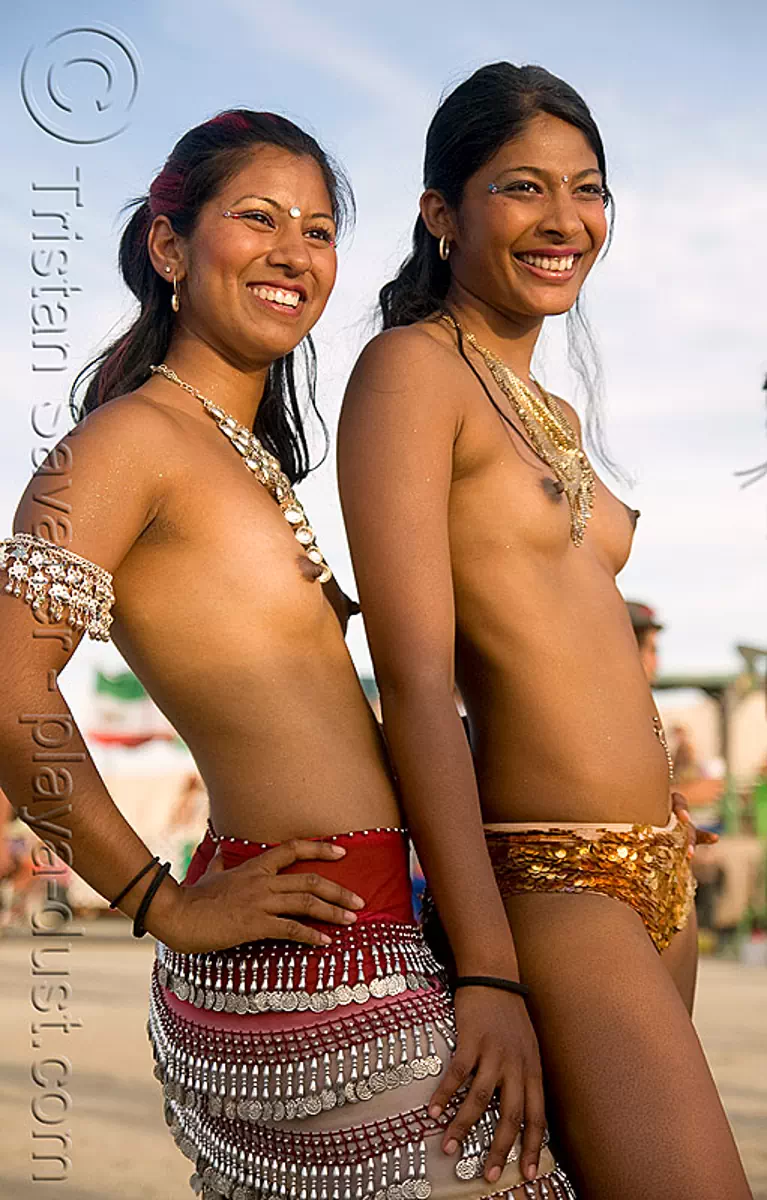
(200,163)
(472,123)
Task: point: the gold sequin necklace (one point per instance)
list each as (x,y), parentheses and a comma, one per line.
(550,432)
(263,465)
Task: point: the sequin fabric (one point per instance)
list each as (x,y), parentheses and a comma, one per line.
(645,866)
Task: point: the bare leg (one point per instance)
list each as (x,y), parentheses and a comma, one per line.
(636,1110)
(681,960)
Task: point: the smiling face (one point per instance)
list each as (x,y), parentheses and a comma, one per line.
(260,264)
(531,222)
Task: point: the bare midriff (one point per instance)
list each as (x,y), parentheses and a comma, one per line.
(560,711)
(220,614)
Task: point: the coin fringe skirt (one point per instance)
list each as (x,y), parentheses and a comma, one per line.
(258,1048)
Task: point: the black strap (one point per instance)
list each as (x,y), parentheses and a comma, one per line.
(148,897)
(504,985)
(133,882)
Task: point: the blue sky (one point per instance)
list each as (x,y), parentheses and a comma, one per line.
(679,91)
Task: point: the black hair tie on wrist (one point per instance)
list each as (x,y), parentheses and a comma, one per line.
(136,878)
(148,897)
(491,981)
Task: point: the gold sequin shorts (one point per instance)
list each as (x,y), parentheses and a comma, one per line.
(645,866)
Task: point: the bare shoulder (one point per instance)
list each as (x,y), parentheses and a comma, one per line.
(133,422)
(417,363)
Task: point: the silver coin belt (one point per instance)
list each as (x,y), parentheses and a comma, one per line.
(262,1076)
(377,959)
(378,1160)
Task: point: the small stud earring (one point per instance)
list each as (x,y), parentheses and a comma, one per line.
(175,301)
(444,247)
(167,270)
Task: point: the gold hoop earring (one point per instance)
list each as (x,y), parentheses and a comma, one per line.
(175,300)
(444,247)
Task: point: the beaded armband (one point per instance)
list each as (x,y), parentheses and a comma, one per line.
(43,575)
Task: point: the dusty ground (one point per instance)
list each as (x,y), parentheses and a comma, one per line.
(120,1148)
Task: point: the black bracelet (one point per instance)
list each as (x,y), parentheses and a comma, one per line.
(504,985)
(148,897)
(133,882)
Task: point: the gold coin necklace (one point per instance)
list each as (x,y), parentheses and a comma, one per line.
(550,432)
(263,466)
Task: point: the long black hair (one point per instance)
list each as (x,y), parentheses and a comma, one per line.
(198,166)
(472,123)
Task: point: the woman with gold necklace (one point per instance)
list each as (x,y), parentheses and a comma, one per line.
(486,549)
(299,1022)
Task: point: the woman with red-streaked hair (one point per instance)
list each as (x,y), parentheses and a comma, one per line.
(299,1022)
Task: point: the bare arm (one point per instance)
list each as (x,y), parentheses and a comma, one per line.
(399,425)
(94,495)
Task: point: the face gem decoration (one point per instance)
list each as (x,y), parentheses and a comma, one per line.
(295,211)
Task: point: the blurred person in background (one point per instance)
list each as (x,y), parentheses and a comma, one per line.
(701,792)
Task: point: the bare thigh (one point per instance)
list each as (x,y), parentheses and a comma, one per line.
(681,960)
(634,1105)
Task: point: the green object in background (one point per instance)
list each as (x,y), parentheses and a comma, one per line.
(759,804)
(122,686)
(729,808)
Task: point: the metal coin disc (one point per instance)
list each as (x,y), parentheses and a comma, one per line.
(377,1082)
(210,998)
(405,1074)
(466,1168)
(240,1193)
(290,1002)
(182,989)
(162,975)
(408,1189)
(364,1091)
(394,1191)
(231,1003)
(219,1002)
(313,1106)
(255,1109)
(214,1106)
(303,1001)
(328,1099)
(378,988)
(422,1189)
(350,1091)
(413,982)
(433,1064)
(243,1109)
(361,993)
(278,1110)
(391,1077)
(419,1068)
(344,994)
(291,1110)
(316,1002)
(262,1002)
(230,1110)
